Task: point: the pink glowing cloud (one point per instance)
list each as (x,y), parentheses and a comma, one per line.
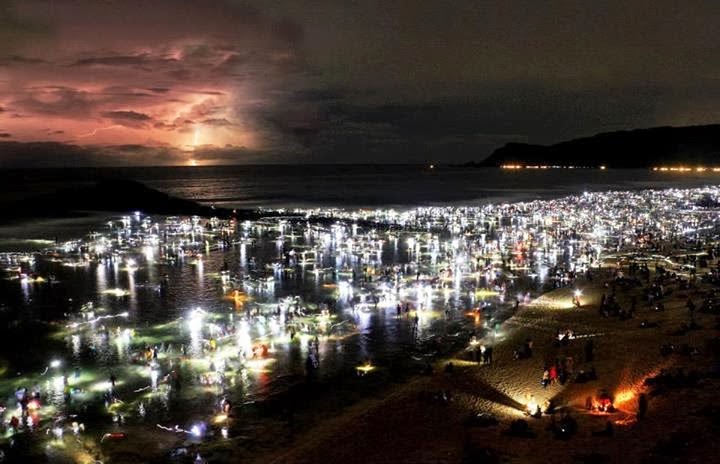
(165,73)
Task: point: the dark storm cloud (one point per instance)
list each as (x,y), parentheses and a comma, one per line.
(355,81)
(55,101)
(126,92)
(15,59)
(127,118)
(477,74)
(15,28)
(56,154)
(126,115)
(143,61)
(222,65)
(218,122)
(467,128)
(45,154)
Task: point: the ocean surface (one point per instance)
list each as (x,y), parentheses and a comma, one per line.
(354,186)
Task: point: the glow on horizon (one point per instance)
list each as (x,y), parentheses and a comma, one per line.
(152,95)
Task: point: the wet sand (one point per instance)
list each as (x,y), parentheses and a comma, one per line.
(410,425)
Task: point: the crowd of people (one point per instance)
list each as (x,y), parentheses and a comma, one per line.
(447,262)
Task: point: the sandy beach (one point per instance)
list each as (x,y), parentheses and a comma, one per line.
(410,424)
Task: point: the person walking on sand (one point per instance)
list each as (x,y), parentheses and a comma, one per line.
(553,374)
(589,349)
(691,307)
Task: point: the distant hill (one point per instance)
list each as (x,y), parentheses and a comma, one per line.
(125,196)
(108,195)
(640,148)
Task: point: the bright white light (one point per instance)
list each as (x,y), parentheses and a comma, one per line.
(149,253)
(55,363)
(243,337)
(76,345)
(195,324)
(196,320)
(154,374)
(58,383)
(532,407)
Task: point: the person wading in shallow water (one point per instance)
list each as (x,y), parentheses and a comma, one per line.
(487,355)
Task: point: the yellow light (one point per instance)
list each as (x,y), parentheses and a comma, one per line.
(485,292)
(238,297)
(259,365)
(623,397)
(118,292)
(685,169)
(365,368)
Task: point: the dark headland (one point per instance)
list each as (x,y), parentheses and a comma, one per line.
(111,195)
(119,195)
(640,148)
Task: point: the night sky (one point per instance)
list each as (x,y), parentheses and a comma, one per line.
(171,81)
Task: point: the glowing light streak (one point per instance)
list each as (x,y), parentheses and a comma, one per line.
(99,129)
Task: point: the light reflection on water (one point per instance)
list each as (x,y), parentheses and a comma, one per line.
(367,331)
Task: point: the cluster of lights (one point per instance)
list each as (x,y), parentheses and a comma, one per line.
(686,169)
(457,239)
(548,166)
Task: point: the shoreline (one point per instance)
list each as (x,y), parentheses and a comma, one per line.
(122,191)
(415,408)
(382,429)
